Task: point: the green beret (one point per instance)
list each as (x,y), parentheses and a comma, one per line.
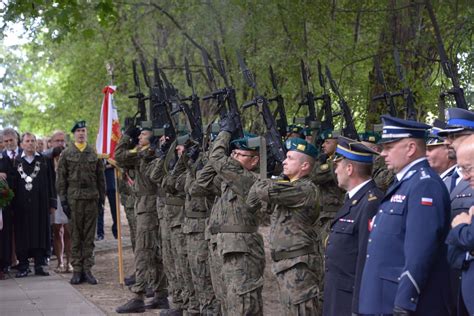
(329,134)
(370,137)
(307,131)
(242,143)
(78,124)
(302,146)
(293,128)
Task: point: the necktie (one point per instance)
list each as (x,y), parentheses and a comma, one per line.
(346,198)
(454,178)
(13,154)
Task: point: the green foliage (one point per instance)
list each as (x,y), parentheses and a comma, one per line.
(62,73)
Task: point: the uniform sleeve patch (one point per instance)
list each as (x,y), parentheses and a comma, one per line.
(324,166)
(426,201)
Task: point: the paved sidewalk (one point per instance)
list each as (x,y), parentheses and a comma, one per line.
(51,296)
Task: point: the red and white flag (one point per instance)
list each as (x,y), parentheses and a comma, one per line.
(109,125)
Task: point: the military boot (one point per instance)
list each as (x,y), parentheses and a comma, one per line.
(76,278)
(171,312)
(130,280)
(158,303)
(89,278)
(135,305)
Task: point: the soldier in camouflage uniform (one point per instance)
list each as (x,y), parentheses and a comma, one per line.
(173,183)
(238,240)
(208,183)
(292,235)
(156,172)
(128,201)
(148,264)
(81,186)
(197,210)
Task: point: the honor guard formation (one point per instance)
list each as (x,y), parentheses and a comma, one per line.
(373,223)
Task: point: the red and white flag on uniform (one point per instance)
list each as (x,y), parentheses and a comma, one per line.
(109,125)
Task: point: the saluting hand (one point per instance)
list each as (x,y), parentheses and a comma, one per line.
(463,218)
(3,175)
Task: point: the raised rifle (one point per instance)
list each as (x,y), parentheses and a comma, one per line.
(449,68)
(143,110)
(328,122)
(407,93)
(387,96)
(349,129)
(273,137)
(281,122)
(193,113)
(161,121)
(228,95)
(308,100)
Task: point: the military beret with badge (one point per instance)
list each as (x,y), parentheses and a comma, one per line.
(77,125)
(243,143)
(302,146)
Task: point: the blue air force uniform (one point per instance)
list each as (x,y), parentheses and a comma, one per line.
(349,231)
(406,263)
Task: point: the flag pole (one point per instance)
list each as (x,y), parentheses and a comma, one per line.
(110,71)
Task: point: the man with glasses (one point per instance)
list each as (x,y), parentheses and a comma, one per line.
(347,243)
(460,127)
(235,228)
(406,262)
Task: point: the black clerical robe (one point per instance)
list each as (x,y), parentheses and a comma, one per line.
(32,207)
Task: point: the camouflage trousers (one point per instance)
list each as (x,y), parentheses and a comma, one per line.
(169,264)
(216,262)
(82,227)
(242,274)
(322,229)
(148,262)
(183,271)
(198,258)
(132,224)
(299,286)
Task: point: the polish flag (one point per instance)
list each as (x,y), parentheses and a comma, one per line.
(109,125)
(426,201)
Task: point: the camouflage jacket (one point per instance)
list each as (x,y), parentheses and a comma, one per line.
(125,183)
(156,172)
(173,184)
(196,208)
(237,222)
(208,184)
(382,176)
(135,158)
(332,196)
(296,210)
(80,175)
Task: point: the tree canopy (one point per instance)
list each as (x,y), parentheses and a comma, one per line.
(57,77)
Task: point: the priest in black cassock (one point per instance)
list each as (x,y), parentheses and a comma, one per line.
(35,198)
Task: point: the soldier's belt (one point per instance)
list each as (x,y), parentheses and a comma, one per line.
(174,201)
(145,192)
(194,214)
(280,255)
(233,229)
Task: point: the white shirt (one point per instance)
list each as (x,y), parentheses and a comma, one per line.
(29,159)
(353,192)
(402,172)
(443,175)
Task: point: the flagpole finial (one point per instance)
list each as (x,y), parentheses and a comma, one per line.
(109,66)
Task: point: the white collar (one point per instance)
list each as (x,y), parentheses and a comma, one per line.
(24,155)
(402,172)
(445,172)
(353,192)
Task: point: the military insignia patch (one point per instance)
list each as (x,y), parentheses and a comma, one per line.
(346,220)
(301,147)
(398,198)
(354,202)
(371,197)
(324,166)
